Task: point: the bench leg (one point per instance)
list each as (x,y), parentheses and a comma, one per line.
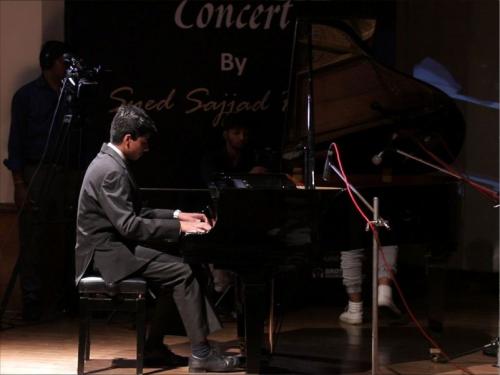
(83,336)
(87,341)
(141,333)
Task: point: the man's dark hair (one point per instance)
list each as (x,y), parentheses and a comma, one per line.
(130,119)
(50,52)
(235,120)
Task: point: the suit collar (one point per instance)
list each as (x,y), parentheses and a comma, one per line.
(105,149)
(117,150)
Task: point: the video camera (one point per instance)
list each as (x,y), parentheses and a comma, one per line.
(78,74)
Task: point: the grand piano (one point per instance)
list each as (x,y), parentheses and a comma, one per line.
(338,93)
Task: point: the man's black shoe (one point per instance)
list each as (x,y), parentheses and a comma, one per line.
(491,349)
(161,356)
(214,363)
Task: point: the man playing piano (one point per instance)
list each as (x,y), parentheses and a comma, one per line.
(115,233)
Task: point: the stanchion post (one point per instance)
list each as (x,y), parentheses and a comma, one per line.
(375,364)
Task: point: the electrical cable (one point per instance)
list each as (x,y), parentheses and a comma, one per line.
(491,194)
(389,268)
(458,170)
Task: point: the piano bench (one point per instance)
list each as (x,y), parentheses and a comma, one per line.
(96,295)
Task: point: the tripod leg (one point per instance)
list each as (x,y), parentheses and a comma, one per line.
(9,289)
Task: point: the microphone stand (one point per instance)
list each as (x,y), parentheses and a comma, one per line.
(375,361)
(409,156)
(309,180)
(382,222)
(377,221)
(449,173)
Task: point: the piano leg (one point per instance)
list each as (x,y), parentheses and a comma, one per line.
(255,301)
(240,314)
(436,269)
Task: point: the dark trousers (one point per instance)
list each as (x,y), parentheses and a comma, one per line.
(177,280)
(46,238)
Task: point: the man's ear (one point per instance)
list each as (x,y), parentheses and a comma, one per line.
(127,137)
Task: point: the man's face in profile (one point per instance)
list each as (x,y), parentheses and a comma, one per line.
(236,138)
(135,148)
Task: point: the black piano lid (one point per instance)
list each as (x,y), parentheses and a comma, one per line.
(362,104)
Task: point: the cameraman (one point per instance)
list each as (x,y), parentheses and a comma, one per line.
(42,222)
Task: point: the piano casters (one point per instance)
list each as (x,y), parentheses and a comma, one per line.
(490,349)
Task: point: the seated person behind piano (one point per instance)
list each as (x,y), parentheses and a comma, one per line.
(113,232)
(232,156)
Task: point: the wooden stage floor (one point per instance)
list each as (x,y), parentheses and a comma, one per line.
(311,342)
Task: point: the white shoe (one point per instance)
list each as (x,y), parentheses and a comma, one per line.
(389,309)
(385,303)
(351,317)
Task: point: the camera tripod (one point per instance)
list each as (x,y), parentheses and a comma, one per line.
(52,190)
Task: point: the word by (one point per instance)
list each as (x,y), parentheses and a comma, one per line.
(229,62)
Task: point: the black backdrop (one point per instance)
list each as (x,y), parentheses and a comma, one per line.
(167,57)
(183,72)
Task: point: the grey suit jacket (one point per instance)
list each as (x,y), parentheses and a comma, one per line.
(111,221)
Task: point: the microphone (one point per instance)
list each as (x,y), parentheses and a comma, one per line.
(378,158)
(327,170)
